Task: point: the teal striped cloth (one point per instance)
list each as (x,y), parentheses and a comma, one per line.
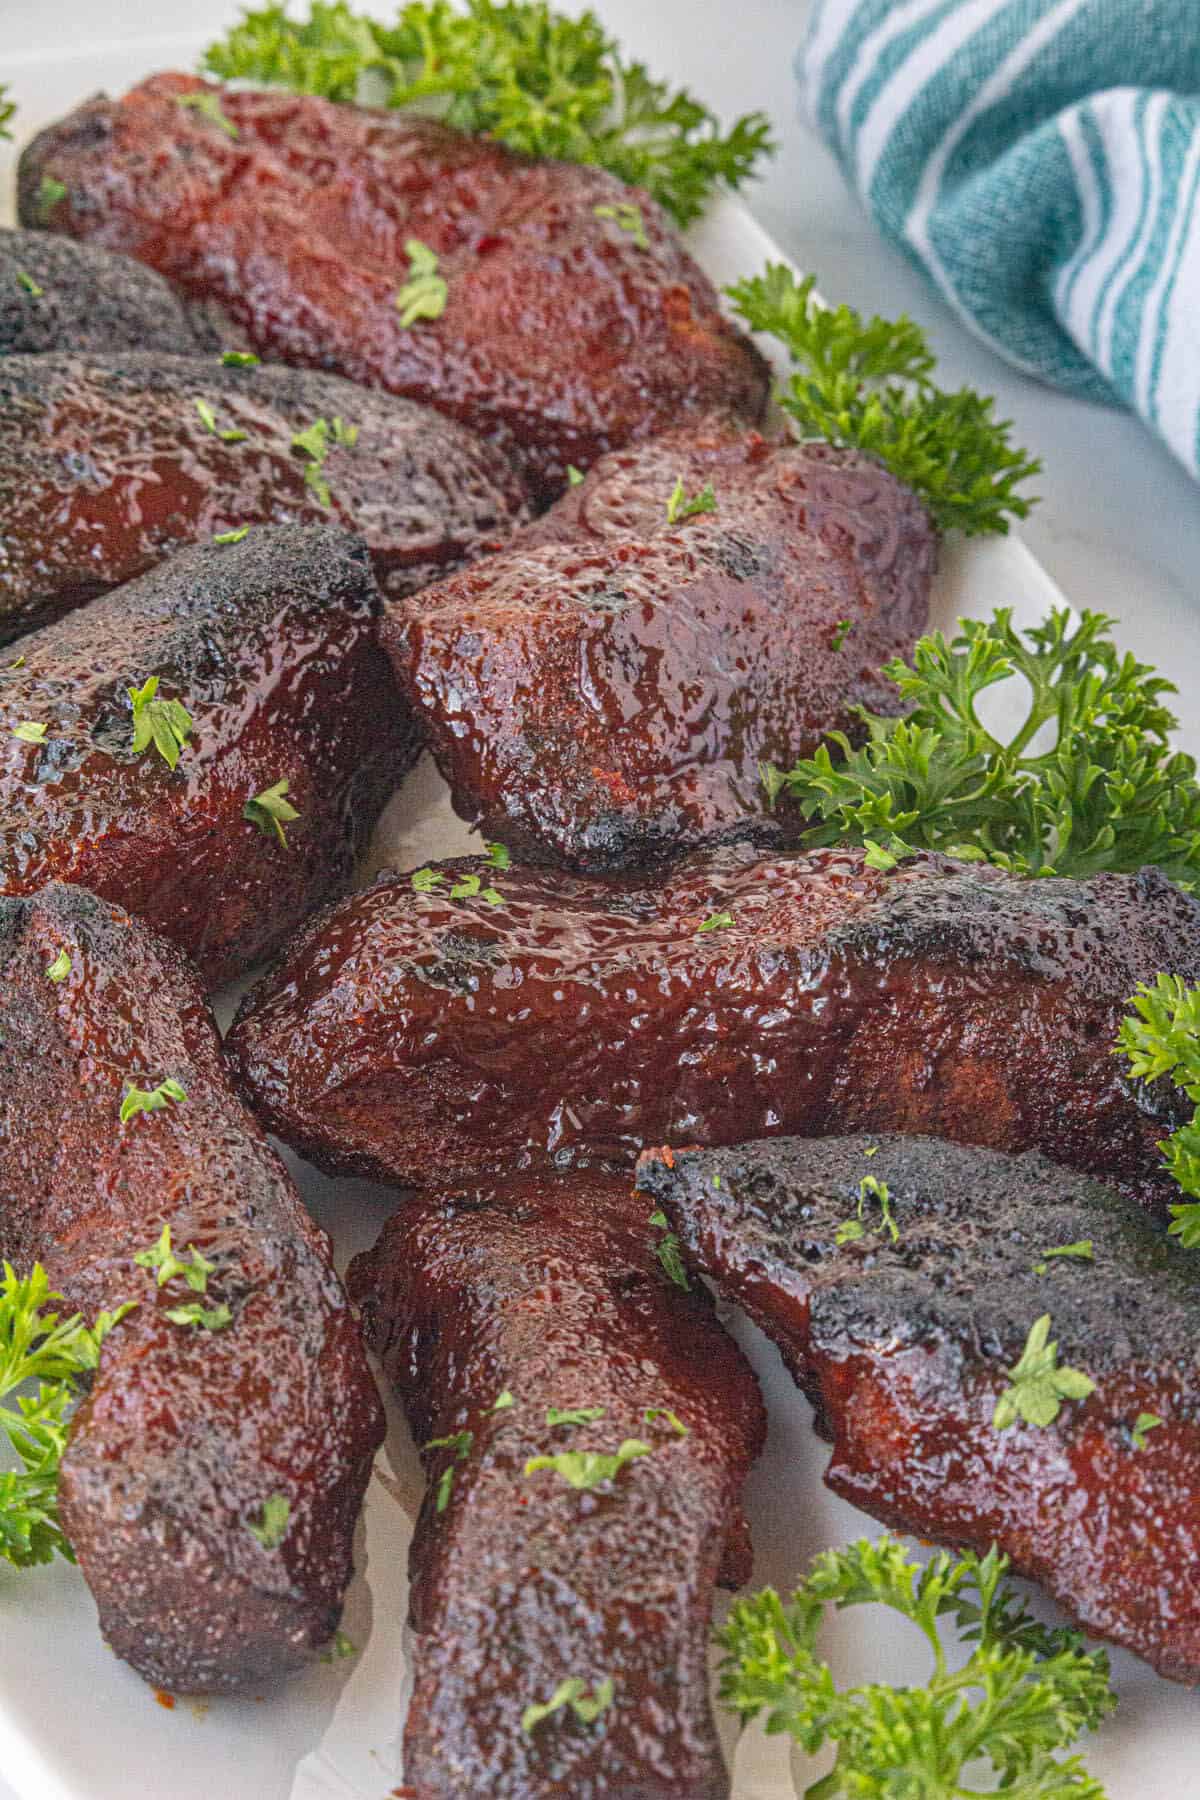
(1039,160)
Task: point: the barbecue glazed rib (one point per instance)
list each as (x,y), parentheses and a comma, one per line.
(187,1430)
(107,465)
(57,295)
(904,1349)
(561,334)
(270,646)
(547,1288)
(601,693)
(738,997)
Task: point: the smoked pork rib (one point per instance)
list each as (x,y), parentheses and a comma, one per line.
(602,693)
(904,1349)
(270,645)
(109,464)
(188,1431)
(547,1289)
(59,295)
(562,334)
(408,1031)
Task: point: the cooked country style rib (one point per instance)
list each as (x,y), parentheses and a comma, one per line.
(904,1349)
(561,334)
(59,295)
(602,693)
(269,645)
(409,1031)
(107,464)
(187,1431)
(546,1289)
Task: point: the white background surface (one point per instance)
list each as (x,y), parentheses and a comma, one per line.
(1119,528)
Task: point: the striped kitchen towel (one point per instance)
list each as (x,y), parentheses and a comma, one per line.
(1040,161)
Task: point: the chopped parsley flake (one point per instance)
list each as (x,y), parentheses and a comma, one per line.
(271,811)
(239,359)
(145,1100)
(165,723)
(572,1694)
(680,507)
(667,1251)
(30,732)
(626,217)
(271,1529)
(588,1468)
(232,537)
(1145,1422)
(720,921)
(60,968)
(1039,1385)
(214,1318)
(29,284)
(167,1265)
(208,419)
(424,294)
(208,105)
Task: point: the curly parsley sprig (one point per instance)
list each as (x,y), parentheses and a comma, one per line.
(1023,1695)
(36,1346)
(1162,1039)
(868,384)
(1108,794)
(541,82)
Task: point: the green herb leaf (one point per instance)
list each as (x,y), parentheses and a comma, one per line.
(841,632)
(680,507)
(36,1346)
(313,440)
(868,385)
(240,359)
(232,537)
(1023,1695)
(503,1401)
(164,723)
(208,105)
(424,294)
(629,218)
(8,110)
(460,1443)
(214,1318)
(340,1648)
(271,811)
(573,1415)
(673,1420)
(271,1529)
(60,968)
(715,922)
(498,856)
(588,1468)
(1082,1251)
(208,419)
(144,1100)
(1039,1385)
(574,475)
(30,732)
(167,1265)
(1108,794)
(1162,1042)
(1145,1422)
(425,880)
(343,434)
(851,1230)
(667,1251)
(29,284)
(50,192)
(546,84)
(571,1693)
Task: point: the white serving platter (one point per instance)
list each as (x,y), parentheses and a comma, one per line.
(75,1724)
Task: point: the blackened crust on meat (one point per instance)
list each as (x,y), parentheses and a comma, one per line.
(108,464)
(90,300)
(187,1431)
(270,646)
(407,1030)
(548,1288)
(603,693)
(561,337)
(904,1349)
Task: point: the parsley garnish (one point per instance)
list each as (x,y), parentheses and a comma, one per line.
(1145,1422)
(460,1443)
(673,1420)
(868,385)
(29,284)
(424,294)
(30,732)
(425,880)
(1024,1694)
(165,723)
(208,419)
(850,1230)
(1082,1250)
(232,537)
(715,922)
(573,1415)
(314,442)
(1039,1385)
(588,1468)
(208,105)
(240,359)
(271,811)
(1163,1040)
(50,192)
(543,83)
(144,1100)
(1109,793)
(680,507)
(214,1318)
(498,856)
(8,110)
(626,217)
(574,475)
(667,1251)
(271,1529)
(468,886)
(37,1346)
(60,968)
(340,1648)
(162,1259)
(570,1693)
(841,632)
(503,1401)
